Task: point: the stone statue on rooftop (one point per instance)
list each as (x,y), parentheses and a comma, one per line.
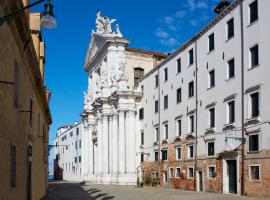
(104,24)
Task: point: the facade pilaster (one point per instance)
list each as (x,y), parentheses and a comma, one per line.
(122,156)
(105,150)
(99,149)
(115,147)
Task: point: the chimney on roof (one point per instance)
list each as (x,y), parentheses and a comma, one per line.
(221,6)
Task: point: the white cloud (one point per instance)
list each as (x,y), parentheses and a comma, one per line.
(168,20)
(180,14)
(192,5)
(193,22)
(168,42)
(202,5)
(161,33)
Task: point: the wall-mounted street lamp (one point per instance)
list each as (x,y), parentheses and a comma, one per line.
(47,20)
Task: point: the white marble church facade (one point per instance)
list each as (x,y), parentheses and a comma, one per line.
(110,104)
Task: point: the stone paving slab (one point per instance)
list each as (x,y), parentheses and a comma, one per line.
(89,191)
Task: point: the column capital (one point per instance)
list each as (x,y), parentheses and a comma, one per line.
(121,113)
(131,113)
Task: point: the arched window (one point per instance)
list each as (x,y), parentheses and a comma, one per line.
(138,74)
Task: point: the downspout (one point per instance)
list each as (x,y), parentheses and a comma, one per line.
(242,102)
(159,126)
(196,128)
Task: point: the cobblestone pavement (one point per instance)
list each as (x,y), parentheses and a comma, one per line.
(88,191)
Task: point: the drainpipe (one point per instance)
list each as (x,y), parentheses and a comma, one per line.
(242,102)
(159,126)
(196,128)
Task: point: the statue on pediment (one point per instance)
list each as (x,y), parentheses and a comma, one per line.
(104,24)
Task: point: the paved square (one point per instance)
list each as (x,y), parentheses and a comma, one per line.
(74,190)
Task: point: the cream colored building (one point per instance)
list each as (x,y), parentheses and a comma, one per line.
(24,111)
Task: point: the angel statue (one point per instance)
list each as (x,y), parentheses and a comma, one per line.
(104,24)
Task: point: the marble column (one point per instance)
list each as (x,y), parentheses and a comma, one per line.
(110,144)
(122,156)
(105,145)
(99,149)
(115,146)
(90,154)
(95,159)
(130,143)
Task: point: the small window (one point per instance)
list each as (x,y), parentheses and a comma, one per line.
(71,134)
(254,105)
(190,172)
(141,113)
(142,157)
(230,71)
(156,106)
(166,131)
(178,95)
(156,134)
(138,74)
(156,81)
(80,143)
(211,79)
(75,159)
(165,102)
(254,56)
(211,42)
(178,153)
(211,172)
(254,142)
(13,166)
(179,65)
(165,74)
(211,149)
(191,123)
(142,89)
(171,173)
(191,57)
(77,131)
(211,117)
(76,145)
(142,138)
(190,152)
(253,12)
(165,154)
(156,156)
(254,172)
(177,172)
(230,28)
(231,112)
(178,127)
(80,159)
(191,89)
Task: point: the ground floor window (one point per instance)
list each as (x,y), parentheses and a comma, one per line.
(211,172)
(171,172)
(177,172)
(254,172)
(190,172)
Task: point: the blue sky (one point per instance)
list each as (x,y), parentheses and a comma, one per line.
(150,24)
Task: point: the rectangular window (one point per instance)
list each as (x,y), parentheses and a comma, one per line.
(178,127)
(13,166)
(178,95)
(191,89)
(211,117)
(166,131)
(254,56)
(177,172)
(230,71)
(142,89)
(76,145)
(254,142)
(191,57)
(156,156)
(211,149)
(190,152)
(156,106)
(191,123)
(75,160)
(165,154)
(80,143)
(253,12)
(156,136)
(231,112)
(254,172)
(190,172)
(211,172)
(165,102)
(142,157)
(165,74)
(230,28)
(211,42)
(178,153)
(171,172)
(80,159)
(156,81)
(142,138)
(179,65)
(141,113)
(77,131)
(254,104)
(211,79)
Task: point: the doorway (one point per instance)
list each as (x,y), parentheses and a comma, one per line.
(165,179)
(232,174)
(200,181)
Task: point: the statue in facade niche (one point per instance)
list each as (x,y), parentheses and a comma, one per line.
(104,24)
(103,77)
(113,76)
(122,70)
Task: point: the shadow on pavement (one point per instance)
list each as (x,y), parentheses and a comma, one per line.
(62,190)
